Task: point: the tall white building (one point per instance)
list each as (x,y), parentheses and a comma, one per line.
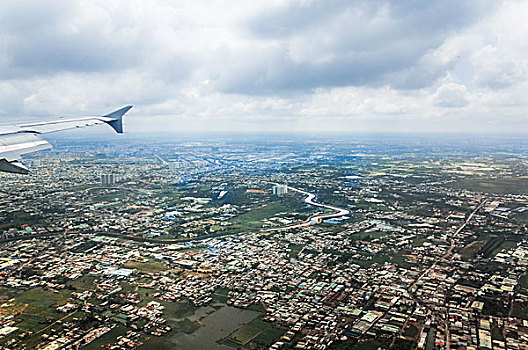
(280,189)
(108,179)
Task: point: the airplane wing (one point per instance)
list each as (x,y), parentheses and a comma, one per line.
(20,139)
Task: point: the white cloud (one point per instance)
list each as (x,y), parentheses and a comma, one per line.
(451,95)
(269,65)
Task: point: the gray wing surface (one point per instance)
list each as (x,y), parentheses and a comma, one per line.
(20,139)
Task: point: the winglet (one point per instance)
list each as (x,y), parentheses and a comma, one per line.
(116,117)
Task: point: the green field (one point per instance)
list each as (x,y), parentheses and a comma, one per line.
(257,331)
(83,283)
(220,295)
(30,323)
(252,220)
(40,301)
(523,282)
(419,241)
(369,235)
(504,247)
(411,331)
(497,333)
(39,311)
(177,310)
(187,326)
(508,185)
(20,217)
(157,344)
(401,261)
(146,267)
(107,338)
(269,207)
(351,345)
(295,249)
(244,335)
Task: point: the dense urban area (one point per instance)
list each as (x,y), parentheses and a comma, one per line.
(267,243)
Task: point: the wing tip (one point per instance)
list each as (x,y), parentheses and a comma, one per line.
(13,167)
(117,118)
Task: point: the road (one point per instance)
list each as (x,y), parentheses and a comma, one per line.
(451,247)
(444,256)
(60,319)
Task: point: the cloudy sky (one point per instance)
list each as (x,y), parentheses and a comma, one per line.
(272,65)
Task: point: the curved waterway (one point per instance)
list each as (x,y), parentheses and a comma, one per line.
(318,218)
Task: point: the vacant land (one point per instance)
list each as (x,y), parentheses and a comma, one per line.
(146,266)
(252,219)
(508,185)
(83,283)
(470,251)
